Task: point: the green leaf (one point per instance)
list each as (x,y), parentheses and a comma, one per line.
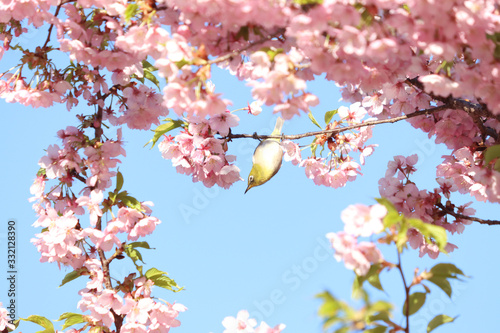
(147,65)
(243,32)
(151,77)
(330,304)
(73,275)
(161,279)
(377,329)
(402,237)
(71,319)
(442,283)
(438,321)
(343,329)
(374,280)
(440,273)
(416,301)
(119,181)
(133,254)
(496,52)
(131,202)
(313,119)
(491,153)
(393,217)
(382,316)
(144,245)
(446,270)
(153,273)
(169,125)
(329,115)
(430,231)
(130,11)
(42,321)
(372,276)
(308,2)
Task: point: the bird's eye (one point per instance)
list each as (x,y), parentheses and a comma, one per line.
(250,179)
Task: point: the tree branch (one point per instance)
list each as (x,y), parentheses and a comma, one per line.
(58,8)
(407,292)
(339,130)
(465,217)
(250,45)
(472,109)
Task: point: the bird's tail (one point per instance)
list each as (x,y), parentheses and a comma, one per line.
(278,126)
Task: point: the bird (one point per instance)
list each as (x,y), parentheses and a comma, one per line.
(266,159)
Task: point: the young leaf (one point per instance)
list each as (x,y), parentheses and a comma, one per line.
(442,283)
(164,128)
(119,181)
(314,120)
(329,115)
(430,231)
(71,319)
(374,280)
(438,321)
(144,245)
(130,11)
(416,300)
(446,270)
(42,321)
(73,275)
(382,316)
(377,329)
(131,202)
(133,254)
(151,77)
(392,216)
(161,279)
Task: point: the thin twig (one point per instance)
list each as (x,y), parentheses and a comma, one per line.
(58,8)
(465,217)
(407,292)
(472,109)
(342,129)
(250,45)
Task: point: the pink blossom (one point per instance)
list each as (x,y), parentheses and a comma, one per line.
(241,324)
(4,319)
(222,122)
(292,152)
(361,220)
(255,108)
(143,227)
(357,257)
(92,203)
(265,328)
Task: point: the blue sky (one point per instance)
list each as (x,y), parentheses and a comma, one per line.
(263,251)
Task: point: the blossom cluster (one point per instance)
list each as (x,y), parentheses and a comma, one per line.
(244,324)
(195,151)
(4,319)
(359,221)
(68,239)
(339,166)
(421,204)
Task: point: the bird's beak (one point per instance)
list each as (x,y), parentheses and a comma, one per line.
(249,187)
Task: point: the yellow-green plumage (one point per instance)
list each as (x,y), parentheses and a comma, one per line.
(266,159)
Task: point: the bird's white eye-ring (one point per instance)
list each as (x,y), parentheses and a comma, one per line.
(250,179)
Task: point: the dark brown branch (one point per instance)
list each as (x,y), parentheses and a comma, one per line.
(472,109)
(249,46)
(58,8)
(114,255)
(407,292)
(465,217)
(342,129)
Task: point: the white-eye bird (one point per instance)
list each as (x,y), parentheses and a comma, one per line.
(266,158)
